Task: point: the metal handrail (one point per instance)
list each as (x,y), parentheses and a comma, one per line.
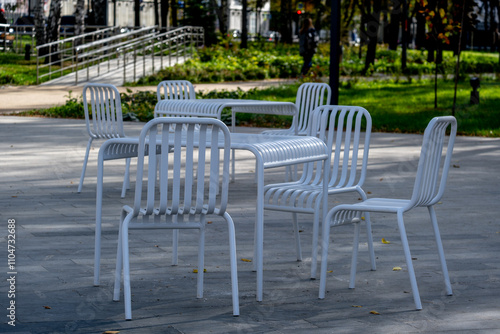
(64,54)
(119,49)
(170,43)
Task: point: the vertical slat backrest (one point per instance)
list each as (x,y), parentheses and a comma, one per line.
(105,119)
(346,130)
(175,90)
(194,167)
(309,96)
(432,171)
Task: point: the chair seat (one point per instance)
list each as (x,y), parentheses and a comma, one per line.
(381,205)
(298,195)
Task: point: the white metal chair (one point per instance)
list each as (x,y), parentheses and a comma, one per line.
(309,96)
(346,131)
(175,90)
(194,170)
(430,181)
(104,122)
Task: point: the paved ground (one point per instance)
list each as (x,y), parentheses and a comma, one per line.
(54,226)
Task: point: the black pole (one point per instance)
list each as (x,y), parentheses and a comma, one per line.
(244,25)
(335,51)
(404,38)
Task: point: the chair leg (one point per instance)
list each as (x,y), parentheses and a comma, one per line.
(315,240)
(325,235)
(370,241)
(126,178)
(298,249)
(84,168)
(354,260)
(127,294)
(439,244)
(201,260)
(119,265)
(234,265)
(409,263)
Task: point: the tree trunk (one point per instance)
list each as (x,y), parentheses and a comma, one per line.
(53,25)
(220,12)
(173,4)
(79,17)
(157,10)
(54,21)
(286,22)
(436,85)
(373,24)
(393,28)
(164,14)
(40,34)
(100,11)
(420,39)
(137,13)
(244,25)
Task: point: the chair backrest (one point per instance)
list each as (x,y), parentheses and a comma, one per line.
(432,171)
(346,131)
(175,90)
(105,120)
(309,96)
(194,167)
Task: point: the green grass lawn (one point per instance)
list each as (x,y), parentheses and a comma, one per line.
(409,107)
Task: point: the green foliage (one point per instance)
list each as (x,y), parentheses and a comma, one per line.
(139,104)
(264,60)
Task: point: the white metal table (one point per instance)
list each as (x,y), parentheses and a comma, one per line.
(269,150)
(214,107)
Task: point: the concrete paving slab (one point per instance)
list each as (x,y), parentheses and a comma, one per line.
(41,163)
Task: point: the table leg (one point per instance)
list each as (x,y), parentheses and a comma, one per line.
(259,228)
(98,218)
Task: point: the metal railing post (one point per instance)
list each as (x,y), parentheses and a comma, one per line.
(177,50)
(76,68)
(124,66)
(143,59)
(169,53)
(161,53)
(87,65)
(50,62)
(135,60)
(37,65)
(153,58)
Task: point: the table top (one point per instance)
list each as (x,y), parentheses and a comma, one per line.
(214,107)
(273,150)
